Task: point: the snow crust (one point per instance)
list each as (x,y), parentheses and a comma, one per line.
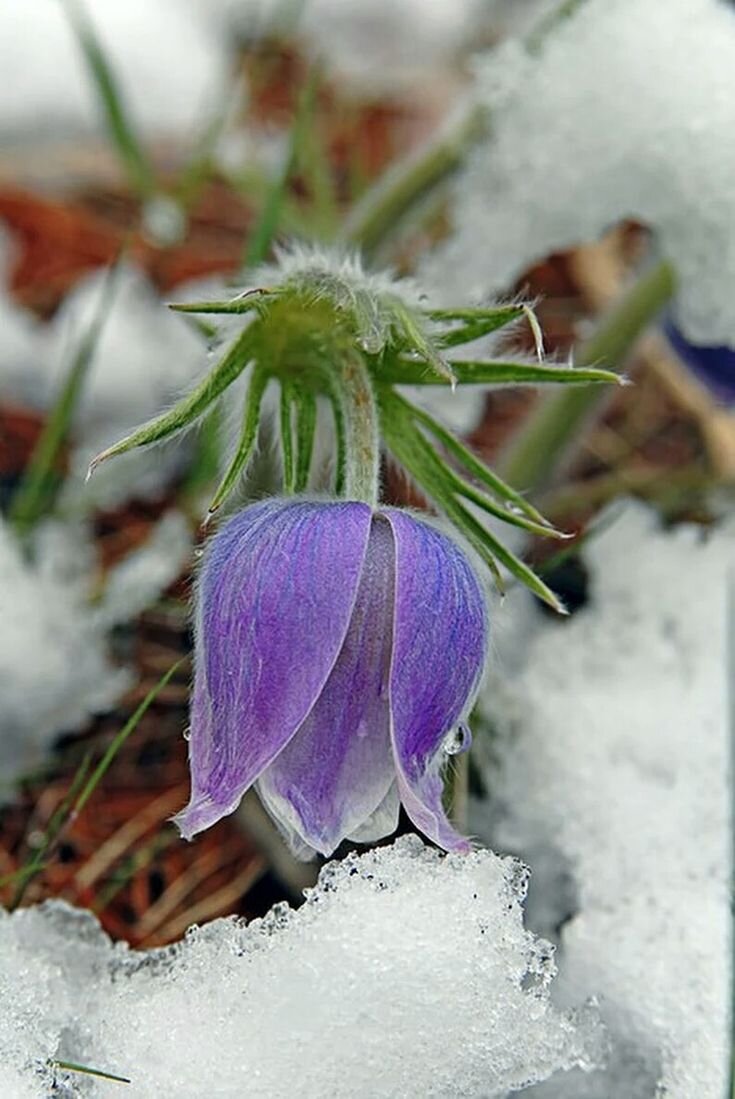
(627,111)
(168,65)
(55,664)
(405,973)
(609,771)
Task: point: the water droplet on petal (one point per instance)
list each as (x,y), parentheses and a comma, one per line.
(457,740)
(187,733)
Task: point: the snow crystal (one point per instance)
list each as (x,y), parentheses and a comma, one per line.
(609,771)
(54,665)
(627,111)
(405,973)
(169,67)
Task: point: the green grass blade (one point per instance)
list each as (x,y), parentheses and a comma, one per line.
(120,130)
(188,410)
(248,438)
(72,1066)
(116,744)
(37,489)
(39,859)
(266,227)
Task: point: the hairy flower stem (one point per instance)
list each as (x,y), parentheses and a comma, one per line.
(543,443)
(354,391)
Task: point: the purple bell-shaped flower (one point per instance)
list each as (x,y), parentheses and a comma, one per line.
(338,649)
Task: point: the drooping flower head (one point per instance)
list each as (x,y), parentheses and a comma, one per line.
(338,650)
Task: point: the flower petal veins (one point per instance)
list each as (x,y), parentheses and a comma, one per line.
(275,599)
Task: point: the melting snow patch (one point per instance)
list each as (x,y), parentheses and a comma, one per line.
(627,111)
(405,973)
(612,777)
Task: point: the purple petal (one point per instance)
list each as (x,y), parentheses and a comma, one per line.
(439,648)
(274,602)
(338,768)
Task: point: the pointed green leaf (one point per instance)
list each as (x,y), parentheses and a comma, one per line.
(487,545)
(305,434)
(421,343)
(340,433)
(248,437)
(455,484)
(402,371)
(288,451)
(186,411)
(470,461)
(473,323)
(244,303)
(417,456)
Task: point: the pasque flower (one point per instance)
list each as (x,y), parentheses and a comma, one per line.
(338,649)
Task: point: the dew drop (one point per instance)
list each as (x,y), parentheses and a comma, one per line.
(187,733)
(457,740)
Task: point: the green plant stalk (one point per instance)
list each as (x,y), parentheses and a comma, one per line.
(122,134)
(404,187)
(35,492)
(131,724)
(259,241)
(359,415)
(542,445)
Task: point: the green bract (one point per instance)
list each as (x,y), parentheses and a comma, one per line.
(321,327)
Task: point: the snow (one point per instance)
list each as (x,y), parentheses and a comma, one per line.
(169,67)
(145,358)
(386,46)
(55,665)
(609,771)
(627,111)
(54,670)
(405,973)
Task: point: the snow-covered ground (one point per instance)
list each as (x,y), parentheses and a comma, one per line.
(55,665)
(609,773)
(627,111)
(406,973)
